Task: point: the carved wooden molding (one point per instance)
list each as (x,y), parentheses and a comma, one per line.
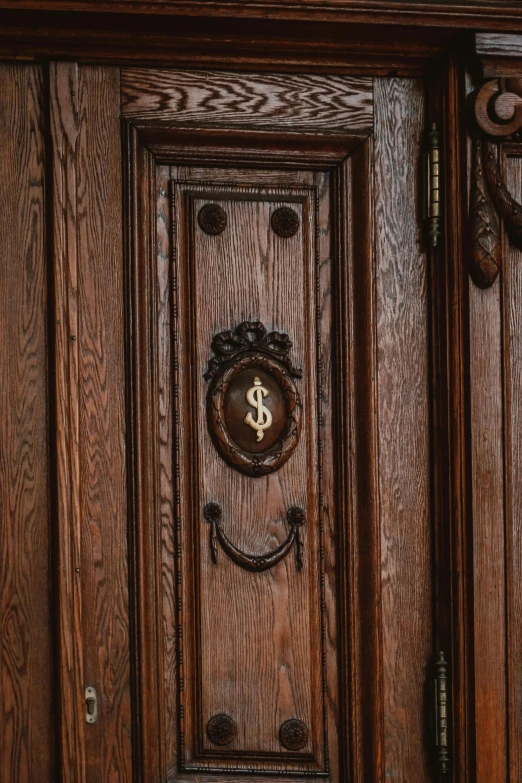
(251,347)
(295,517)
(487,249)
(498,113)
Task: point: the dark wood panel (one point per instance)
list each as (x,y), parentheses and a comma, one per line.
(512,351)
(496,14)
(404,420)
(267,670)
(94,627)
(291,103)
(487,480)
(64,129)
(26,711)
(243,45)
(453,425)
(359,537)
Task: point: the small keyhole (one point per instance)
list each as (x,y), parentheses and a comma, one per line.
(91,705)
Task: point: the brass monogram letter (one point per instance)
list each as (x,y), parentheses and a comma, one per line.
(264,418)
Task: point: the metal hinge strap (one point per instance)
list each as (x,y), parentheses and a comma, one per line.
(442,714)
(432,205)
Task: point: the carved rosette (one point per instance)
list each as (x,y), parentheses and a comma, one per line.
(498,113)
(221,729)
(253,405)
(293,734)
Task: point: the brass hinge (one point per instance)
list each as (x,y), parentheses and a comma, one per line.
(432,207)
(442,714)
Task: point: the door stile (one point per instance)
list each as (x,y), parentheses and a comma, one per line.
(455,413)
(64,91)
(142,397)
(91,523)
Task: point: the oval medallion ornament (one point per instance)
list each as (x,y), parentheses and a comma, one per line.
(253,406)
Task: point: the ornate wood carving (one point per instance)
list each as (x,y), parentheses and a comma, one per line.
(285,222)
(293,734)
(487,249)
(221,729)
(296,518)
(242,356)
(498,107)
(212,219)
(498,112)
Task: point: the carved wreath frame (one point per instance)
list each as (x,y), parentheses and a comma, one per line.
(275,457)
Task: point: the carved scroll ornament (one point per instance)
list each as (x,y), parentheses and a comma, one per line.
(498,113)
(253,406)
(295,517)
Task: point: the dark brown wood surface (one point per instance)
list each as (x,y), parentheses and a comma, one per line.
(495,14)
(487,476)
(90,392)
(269,670)
(26,704)
(384,445)
(512,351)
(404,465)
(206,99)
(452,435)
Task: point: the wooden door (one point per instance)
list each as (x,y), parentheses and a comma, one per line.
(238,414)
(274,240)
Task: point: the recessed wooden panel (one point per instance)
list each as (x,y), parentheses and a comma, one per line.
(252,643)
(26,712)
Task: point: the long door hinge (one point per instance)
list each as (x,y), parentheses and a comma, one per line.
(432,205)
(442,729)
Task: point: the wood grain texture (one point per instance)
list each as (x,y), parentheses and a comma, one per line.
(26,723)
(498,45)
(359,537)
(268,671)
(291,102)
(89,356)
(512,351)
(488,546)
(201,42)
(495,14)
(403,438)
(453,429)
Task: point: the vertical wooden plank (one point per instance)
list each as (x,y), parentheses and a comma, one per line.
(64,129)
(26,735)
(94,618)
(487,486)
(404,421)
(453,286)
(512,315)
(357,362)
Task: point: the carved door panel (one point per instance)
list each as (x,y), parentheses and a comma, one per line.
(281,436)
